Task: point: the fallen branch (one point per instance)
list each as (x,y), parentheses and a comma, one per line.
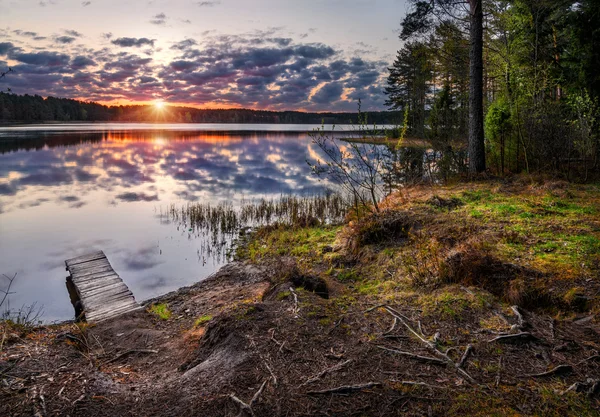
(424,359)
(591,358)
(296,308)
(429,344)
(346,389)
(248,407)
(511,338)
(392,328)
(325,372)
(559,370)
(522,322)
(418,384)
(465,356)
(116,358)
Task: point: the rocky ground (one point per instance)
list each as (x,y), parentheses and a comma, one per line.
(351,321)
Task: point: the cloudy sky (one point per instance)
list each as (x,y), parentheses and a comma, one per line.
(262,54)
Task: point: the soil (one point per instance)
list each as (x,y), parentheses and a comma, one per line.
(268,348)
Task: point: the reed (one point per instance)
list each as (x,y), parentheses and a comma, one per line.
(219,225)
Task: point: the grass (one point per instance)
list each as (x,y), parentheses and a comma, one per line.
(305,244)
(160,310)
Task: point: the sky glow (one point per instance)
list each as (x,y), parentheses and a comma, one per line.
(317,55)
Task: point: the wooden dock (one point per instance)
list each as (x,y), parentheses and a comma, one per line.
(96,290)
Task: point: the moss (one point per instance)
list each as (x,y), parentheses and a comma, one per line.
(160,310)
(283,295)
(203,320)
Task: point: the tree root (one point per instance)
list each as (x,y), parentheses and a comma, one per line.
(402,319)
(559,370)
(424,359)
(515,338)
(247,408)
(346,389)
(325,372)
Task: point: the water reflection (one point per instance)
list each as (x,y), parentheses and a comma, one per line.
(62,195)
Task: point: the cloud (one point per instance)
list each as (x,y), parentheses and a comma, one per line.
(184,44)
(208,3)
(133,42)
(159,19)
(260,69)
(65,39)
(25,33)
(328,93)
(6,47)
(80,62)
(86,3)
(131,197)
(73,33)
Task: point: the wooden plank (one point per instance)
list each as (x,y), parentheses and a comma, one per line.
(108,314)
(111,302)
(85,258)
(96,277)
(101,292)
(87,265)
(119,308)
(105,294)
(92,271)
(92,284)
(105,297)
(102,287)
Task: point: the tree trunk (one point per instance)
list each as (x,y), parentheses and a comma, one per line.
(476,138)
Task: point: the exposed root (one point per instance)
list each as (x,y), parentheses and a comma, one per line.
(559,370)
(515,338)
(465,356)
(424,359)
(116,358)
(346,389)
(429,344)
(325,372)
(247,408)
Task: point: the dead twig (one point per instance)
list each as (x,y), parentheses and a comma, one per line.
(559,370)
(424,359)
(392,328)
(465,356)
(128,352)
(514,338)
(418,384)
(522,323)
(346,389)
(325,372)
(591,358)
(429,344)
(248,407)
(10,282)
(296,309)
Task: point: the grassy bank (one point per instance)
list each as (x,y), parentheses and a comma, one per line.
(464,263)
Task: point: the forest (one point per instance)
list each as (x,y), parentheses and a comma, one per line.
(28,108)
(540,82)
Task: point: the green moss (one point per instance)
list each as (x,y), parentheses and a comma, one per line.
(203,320)
(160,310)
(348,275)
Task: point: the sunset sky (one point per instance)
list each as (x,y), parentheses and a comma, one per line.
(316,55)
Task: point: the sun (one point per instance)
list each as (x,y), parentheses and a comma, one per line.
(159,105)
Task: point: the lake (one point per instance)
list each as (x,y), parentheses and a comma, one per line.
(66,190)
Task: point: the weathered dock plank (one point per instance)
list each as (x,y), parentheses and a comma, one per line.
(97,292)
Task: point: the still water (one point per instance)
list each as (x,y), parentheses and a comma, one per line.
(69,190)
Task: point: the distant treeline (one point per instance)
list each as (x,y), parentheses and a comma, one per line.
(26,108)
